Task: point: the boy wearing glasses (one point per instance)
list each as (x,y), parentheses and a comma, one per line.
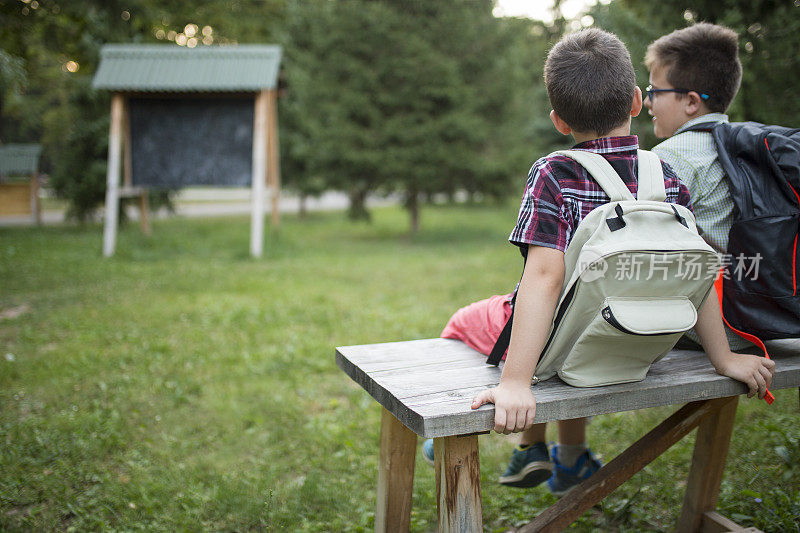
(590,83)
(695,73)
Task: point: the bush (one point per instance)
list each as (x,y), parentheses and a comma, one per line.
(79,161)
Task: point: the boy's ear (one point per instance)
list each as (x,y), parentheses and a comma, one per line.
(638,101)
(693,104)
(562,127)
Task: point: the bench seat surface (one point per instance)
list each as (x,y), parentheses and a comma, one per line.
(429,384)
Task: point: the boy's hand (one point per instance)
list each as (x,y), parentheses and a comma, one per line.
(514,406)
(754,371)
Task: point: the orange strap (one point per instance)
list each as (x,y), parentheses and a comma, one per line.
(768,397)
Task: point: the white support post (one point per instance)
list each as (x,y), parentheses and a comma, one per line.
(273,159)
(259,174)
(112,175)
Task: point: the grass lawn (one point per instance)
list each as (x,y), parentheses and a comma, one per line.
(184,386)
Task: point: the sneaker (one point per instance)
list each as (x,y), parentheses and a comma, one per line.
(564,478)
(528,467)
(427,451)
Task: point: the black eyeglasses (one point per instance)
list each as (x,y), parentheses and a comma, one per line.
(652,92)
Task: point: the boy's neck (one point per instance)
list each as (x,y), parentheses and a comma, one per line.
(621,131)
(696,115)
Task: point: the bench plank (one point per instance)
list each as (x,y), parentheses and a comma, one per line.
(429,384)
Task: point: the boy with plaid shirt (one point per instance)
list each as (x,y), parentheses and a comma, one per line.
(590,82)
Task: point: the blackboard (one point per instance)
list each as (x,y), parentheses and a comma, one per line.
(177,142)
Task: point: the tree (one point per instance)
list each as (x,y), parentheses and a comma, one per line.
(328,115)
(13,80)
(415,98)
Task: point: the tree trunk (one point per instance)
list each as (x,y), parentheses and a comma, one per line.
(412,205)
(303,207)
(358,206)
(2,129)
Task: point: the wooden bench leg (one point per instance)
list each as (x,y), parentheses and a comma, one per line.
(458,484)
(708,463)
(641,453)
(395,475)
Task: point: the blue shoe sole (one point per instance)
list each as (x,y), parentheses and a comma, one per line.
(532,475)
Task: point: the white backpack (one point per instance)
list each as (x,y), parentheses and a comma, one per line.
(636,272)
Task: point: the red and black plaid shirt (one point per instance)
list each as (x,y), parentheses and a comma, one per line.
(559,192)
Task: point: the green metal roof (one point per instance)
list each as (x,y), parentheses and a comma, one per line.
(19,159)
(138,67)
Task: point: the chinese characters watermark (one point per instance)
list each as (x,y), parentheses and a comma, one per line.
(686,266)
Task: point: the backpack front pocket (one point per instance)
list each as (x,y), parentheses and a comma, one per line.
(625,337)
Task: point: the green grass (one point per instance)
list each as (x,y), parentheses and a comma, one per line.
(182,385)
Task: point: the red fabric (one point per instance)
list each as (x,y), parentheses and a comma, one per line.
(794,254)
(479,324)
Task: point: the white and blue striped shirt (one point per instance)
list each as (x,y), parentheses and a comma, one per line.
(693,157)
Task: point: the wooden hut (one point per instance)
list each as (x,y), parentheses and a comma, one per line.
(19,180)
(202,116)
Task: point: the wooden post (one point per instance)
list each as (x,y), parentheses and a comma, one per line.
(112,175)
(273,159)
(259,174)
(395,475)
(36,205)
(458,484)
(127,164)
(708,463)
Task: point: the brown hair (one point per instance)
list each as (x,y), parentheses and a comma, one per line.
(703,58)
(590,81)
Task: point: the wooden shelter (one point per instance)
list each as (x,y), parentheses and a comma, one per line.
(181,116)
(19,180)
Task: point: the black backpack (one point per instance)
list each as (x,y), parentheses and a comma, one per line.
(760,287)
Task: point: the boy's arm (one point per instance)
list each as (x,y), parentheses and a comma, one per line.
(756,372)
(537,298)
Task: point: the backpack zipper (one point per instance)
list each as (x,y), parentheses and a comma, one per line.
(559,315)
(609,317)
(794,248)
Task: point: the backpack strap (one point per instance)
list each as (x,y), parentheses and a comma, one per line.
(702,126)
(501,344)
(651,178)
(602,172)
(718,288)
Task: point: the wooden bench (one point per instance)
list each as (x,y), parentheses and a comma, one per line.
(426,388)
